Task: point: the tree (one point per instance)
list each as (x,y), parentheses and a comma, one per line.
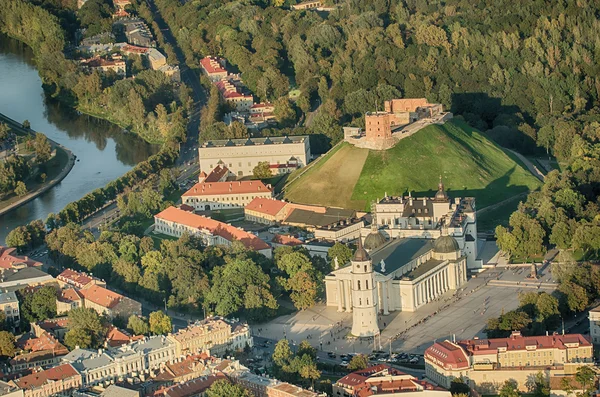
(86,328)
(340,251)
(538,385)
(585,376)
(262,170)
(509,389)
(7,344)
(358,362)
(20,189)
(566,386)
(160,323)
(42,147)
(19,238)
(78,338)
(284,112)
(138,325)
(282,355)
(3,131)
(224,388)
(458,386)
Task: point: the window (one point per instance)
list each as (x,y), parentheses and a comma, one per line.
(367,286)
(366,269)
(359,285)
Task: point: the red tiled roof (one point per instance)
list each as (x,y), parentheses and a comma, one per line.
(61,372)
(266,206)
(216,174)
(261,105)
(519,342)
(52,324)
(228,232)
(8,259)
(286,240)
(212,65)
(44,342)
(101,296)
(193,387)
(221,188)
(190,365)
(448,355)
(117,337)
(134,49)
(69,295)
(78,279)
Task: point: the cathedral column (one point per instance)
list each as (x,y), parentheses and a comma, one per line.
(340,288)
(436,286)
(447,278)
(384,290)
(348,296)
(380,296)
(429,293)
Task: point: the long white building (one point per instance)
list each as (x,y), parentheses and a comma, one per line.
(242,155)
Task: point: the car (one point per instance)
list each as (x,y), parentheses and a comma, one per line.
(331,354)
(414,360)
(371,357)
(344,364)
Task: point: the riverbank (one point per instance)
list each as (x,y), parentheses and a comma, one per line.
(64,158)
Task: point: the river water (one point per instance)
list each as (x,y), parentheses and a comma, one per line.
(103,151)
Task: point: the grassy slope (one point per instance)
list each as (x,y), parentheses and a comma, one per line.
(470,164)
(331,181)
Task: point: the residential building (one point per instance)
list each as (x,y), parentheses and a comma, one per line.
(214,68)
(10,390)
(105,65)
(39,351)
(156,59)
(137,32)
(58,327)
(171,71)
(194,366)
(15,279)
(219,174)
(117,337)
(147,354)
(288,390)
(383,380)
(307,5)
(216,334)
(233,93)
(260,112)
(404,275)
(60,380)
(280,240)
(79,280)
(343,231)
(67,300)
(175,222)
(108,302)
(265,210)
(256,384)
(9,259)
(206,196)
(9,304)
(192,388)
(488,363)
(240,156)
(594,317)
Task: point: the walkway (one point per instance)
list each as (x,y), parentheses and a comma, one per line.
(49,184)
(530,166)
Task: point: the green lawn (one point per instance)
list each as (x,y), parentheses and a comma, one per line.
(470,164)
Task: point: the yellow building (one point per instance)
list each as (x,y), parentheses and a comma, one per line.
(215,334)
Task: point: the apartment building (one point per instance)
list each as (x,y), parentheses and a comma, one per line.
(214,68)
(9,304)
(215,334)
(518,357)
(265,210)
(38,351)
(79,280)
(60,380)
(206,196)
(108,302)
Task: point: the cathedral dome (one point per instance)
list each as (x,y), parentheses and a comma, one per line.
(374,240)
(445,245)
(441,195)
(360,255)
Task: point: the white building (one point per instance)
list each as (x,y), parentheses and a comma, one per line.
(242,155)
(426,217)
(204,196)
(9,305)
(594,317)
(403,275)
(175,222)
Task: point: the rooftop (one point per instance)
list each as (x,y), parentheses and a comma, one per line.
(8,297)
(223,188)
(423,268)
(255,141)
(8,259)
(267,206)
(212,65)
(193,387)
(228,232)
(399,253)
(519,342)
(61,372)
(319,219)
(286,240)
(101,296)
(78,279)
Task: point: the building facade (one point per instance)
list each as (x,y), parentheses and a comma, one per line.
(485,364)
(206,196)
(9,304)
(214,68)
(404,275)
(265,210)
(175,222)
(110,303)
(242,155)
(594,317)
(57,381)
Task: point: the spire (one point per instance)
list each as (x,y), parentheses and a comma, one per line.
(441,184)
(441,193)
(360,255)
(373,217)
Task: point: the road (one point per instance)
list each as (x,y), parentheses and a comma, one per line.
(530,166)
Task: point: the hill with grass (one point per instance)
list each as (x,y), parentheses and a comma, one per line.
(469,163)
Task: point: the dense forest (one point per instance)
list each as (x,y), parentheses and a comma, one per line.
(148,104)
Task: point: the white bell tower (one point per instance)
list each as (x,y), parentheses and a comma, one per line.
(364,295)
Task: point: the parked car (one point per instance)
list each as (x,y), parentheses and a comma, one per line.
(344,364)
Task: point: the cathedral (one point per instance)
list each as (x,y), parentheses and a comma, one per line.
(422,261)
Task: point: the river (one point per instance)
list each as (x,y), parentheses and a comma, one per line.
(103,151)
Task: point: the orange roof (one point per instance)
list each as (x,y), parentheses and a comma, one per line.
(216,174)
(266,206)
(101,296)
(190,365)
(78,279)
(53,324)
(44,342)
(117,337)
(216,228)
(448,355)
(405,104)
(62,372)
(286,240)
(69,295)
(221,188)
(8,260)
(212,65)
(193,387)
(519,342)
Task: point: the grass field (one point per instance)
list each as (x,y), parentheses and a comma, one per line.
(469,163)
(331,181)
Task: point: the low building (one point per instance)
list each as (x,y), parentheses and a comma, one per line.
(9,259)
(261,112)
(219,174)
(307,5)
(594,317)
(10,390)
(265,210)
(171,71)
(289,390)
(58,327)
(192,388)
(9,305)
(192,367)
(255,384)
(156,58)
(233,93)
(280,240)
(215,334)
(343,231)
(137,32)
(41,351)
(110,303)
(485,364)
(60,380)
(557,386)
(117,337)
(214,68)
(383,380)
(79,280)
(318,248)
(97,367)
(206,196)
(15,279)
(312,217)
(241,156)
(105,65)
(175,222)
(67,300)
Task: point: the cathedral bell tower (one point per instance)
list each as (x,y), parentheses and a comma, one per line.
(364,295)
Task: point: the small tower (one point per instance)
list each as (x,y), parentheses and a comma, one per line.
(364,295)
